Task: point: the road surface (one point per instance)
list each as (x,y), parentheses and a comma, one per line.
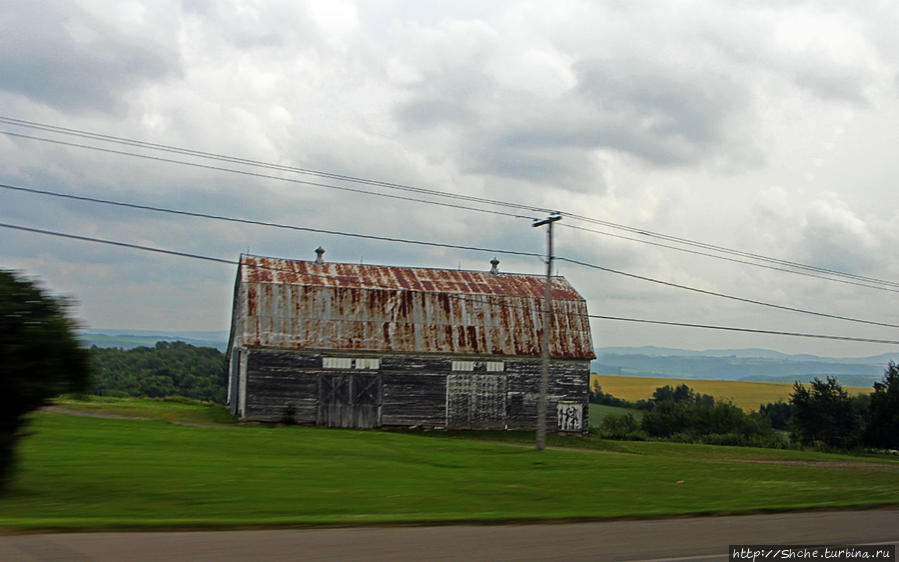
(689,538)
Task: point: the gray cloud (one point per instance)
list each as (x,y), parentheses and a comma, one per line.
(65,56)
(646,114)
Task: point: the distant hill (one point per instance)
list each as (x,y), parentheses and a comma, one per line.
(130,339)
(738,364)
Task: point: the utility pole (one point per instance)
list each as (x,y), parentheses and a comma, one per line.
(547,313)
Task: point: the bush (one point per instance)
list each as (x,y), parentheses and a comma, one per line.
(621,426)
(679,414)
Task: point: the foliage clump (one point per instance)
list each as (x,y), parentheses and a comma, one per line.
(41,358)
(167,369)
(683,415)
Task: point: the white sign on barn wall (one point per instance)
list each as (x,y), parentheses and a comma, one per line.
(570,416)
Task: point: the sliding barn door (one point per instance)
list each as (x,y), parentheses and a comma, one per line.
(349,400)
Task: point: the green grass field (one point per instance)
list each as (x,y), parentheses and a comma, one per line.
(745,394)
(598,411)
(178,409)
(93,473)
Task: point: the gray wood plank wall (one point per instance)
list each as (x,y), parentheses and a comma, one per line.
(419,390)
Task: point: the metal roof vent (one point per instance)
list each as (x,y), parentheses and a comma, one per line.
(319,252)
(494,263)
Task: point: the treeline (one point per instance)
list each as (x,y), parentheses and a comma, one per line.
(680,414)
(167,369)
(824,415)
(821,415)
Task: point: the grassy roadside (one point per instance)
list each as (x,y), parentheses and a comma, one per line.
(174,409)
(91,473)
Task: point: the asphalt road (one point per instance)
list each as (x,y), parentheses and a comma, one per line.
(694,538)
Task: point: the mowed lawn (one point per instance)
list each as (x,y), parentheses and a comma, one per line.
(94,473)
(745,394)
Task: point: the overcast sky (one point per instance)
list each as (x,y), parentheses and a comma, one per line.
(768,127)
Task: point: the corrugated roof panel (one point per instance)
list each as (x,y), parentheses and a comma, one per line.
(300,304)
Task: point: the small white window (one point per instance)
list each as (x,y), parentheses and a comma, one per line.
(463,365)
(495,366)
(366,363)
(337,363)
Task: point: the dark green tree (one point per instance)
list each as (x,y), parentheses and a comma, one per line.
(779,413)
(824,414)
(40,357)
(883,425)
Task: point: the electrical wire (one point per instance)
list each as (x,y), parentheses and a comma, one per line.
(726,296)
(435,193)
(733,329)
(261,223)
(43,192)
(725,258)
(265,176)
(726,250)
(531,309)
(259,163)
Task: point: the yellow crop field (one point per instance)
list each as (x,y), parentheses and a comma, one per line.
(745,394)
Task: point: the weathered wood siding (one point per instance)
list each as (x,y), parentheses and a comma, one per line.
(410,390)
(278,379)
(569,381)
(414,399)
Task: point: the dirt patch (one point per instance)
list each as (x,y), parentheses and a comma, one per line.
(110,416)
(844,465)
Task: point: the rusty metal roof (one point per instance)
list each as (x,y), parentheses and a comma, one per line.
(293,272)
(306,305)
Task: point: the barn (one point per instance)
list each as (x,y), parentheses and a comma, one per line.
(351,345)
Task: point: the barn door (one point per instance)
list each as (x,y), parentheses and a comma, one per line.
(365,394)
(349,400)
(475,401)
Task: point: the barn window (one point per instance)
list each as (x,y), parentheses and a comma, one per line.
(366,363)
(495,366)
(337,363)
(463,365)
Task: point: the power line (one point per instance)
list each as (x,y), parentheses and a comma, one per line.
(431,192)
(726,250)
(726,296)
(262,223)
(265,176)
(599,317)
(437,244)
(733,329)
(725,258)
(259,163)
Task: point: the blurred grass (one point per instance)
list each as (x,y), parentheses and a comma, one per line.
(173,409)
(91,473)
(744,394)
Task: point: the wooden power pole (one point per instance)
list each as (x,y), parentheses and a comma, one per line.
(547,314)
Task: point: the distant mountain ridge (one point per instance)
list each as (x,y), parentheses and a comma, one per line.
(738,364)
(754,353)
(129,339)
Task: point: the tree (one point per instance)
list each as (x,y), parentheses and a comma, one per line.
(779,413)
(824,414)
(883,427)
(40,357)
